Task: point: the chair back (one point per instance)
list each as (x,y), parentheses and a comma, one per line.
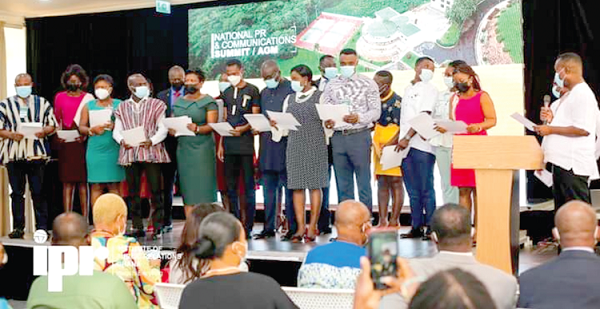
(320,298)
(168,295)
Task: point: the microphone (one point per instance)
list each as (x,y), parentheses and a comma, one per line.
(546,105)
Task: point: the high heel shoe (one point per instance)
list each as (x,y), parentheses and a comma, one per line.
(298,238)
(309,238)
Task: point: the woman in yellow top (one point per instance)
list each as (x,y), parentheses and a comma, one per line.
(389,182)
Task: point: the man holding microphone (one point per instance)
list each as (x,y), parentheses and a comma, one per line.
(569,133)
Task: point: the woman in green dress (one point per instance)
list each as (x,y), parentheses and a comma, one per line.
(196,159)
(102,153)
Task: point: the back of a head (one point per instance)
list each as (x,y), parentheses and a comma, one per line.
(451,224)
(70,229)
(452,289)
(217,231)
(189,235)
(576,224)
(107,209)
(350,213)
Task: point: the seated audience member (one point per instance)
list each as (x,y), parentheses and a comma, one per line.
(126,258)
(188,268)
(570,280)
(71,229)
(222,245)
(336,265)
(451,226)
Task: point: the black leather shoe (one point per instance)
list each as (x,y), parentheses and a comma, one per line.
(17,233)
(325,231)
(412,234)
(167,228)
(264,234)
(287,237)
(426,235)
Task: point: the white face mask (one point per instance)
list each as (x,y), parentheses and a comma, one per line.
(234,79)
(243,256)
(449,81)
(101,93)
(142,92)
(426,75)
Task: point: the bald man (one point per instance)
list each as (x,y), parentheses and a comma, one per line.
(570,136)
(71,229)
(25,157)
(272,150)
(571,280)
(169,170)
(336,265)
(140,110)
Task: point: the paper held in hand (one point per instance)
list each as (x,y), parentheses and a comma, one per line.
(134,137)
(29,129)
(390,158)
(424,125)
(451,126)
(68,135)
(545,177)
(222,128)
(100,117)
(179,124)
(334,112)
(258,122)
(524,121)
(284,120)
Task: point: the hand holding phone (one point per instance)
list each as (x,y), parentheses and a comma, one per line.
(383,254)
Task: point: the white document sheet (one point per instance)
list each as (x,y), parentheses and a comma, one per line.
(524,121)
(134,137)
(68,135)
(424,125)
(334,112)
(100,117)
(284,120)
(258,122)
(179,124)
(545,177)
(223,128)
(29,129)
(454,127)
(390,158)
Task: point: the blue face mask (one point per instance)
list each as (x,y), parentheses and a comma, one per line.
(555,92)
(223,86)
(142,92)
(331,73)
(449,81)
(347,70)
(271,83)
(558,81)
(296,86)
(23,91)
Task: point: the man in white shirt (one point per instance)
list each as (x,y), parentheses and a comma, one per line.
(419,97)
(569,137)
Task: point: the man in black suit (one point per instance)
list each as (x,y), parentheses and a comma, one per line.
(570,280)
(170,96)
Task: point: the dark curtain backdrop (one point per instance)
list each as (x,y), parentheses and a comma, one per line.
(121,43)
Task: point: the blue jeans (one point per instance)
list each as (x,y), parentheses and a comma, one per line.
(273,182)
(352,156)
(418,178)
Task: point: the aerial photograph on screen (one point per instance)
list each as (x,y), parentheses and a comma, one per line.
(387,34)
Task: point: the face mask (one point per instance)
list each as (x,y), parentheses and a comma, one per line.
(559,82)
(23,91)
(72,87)
(271,83)
(223,86)
(243,256)
(331,73)
(383,89)
(101,93)
(191,88)
(177,86)
(234,79)
(449,81)
(555,92)
(426,75)
(347,70)
(142,92)
(296,86)
(462,87)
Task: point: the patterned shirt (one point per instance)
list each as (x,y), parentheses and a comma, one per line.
(127,260)
(361,93)
(38,110)
(390,109)
(332,266)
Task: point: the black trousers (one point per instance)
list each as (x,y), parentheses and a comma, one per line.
(133,175)
(234,165)
(568,186)
(168,172)
(34,171)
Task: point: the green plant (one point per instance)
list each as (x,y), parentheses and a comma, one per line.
(451,37)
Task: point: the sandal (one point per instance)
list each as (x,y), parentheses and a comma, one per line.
(296,239)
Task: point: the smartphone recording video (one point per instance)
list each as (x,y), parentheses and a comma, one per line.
(383,253)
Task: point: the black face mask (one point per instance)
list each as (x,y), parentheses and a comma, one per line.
(177,86)
(72,87)
(191,89)
(462,87)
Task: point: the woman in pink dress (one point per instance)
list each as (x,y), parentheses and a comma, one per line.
(475,108)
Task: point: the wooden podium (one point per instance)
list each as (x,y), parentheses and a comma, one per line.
(496,160)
